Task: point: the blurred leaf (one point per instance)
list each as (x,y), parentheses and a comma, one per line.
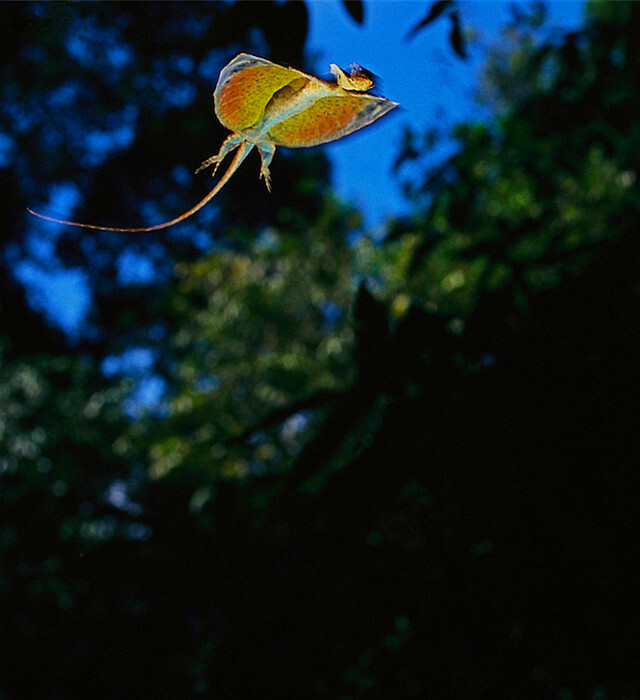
(456,37)
(355,8)
(408,150)
(425,247)
(436,9)
(399,227)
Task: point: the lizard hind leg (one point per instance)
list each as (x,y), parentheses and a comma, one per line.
(231,143)
(266,154)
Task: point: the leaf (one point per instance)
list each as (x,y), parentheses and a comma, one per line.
(423,250)
(408,150)
(355,8)
(398,227)
(435,11)
(458,42)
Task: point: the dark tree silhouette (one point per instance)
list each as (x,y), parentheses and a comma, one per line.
(420,485)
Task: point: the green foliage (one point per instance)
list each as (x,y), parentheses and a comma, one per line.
(58,421)
(256,331)
(380,468)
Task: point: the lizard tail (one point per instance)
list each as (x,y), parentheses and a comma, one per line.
(241,154)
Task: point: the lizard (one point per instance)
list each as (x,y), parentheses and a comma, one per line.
(266,105)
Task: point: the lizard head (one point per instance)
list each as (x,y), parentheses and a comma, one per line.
(358,80)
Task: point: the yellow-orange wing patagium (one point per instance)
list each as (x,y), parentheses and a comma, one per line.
(266,105)
(286,107)
(246,86)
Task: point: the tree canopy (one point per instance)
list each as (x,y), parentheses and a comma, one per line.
(284,456)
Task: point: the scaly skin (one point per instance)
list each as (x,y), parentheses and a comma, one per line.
(266,105)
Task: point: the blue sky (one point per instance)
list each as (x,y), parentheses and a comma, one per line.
(431,84)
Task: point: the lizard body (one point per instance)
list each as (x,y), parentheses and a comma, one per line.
(266,105)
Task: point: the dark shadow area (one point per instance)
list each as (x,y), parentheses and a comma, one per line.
(422,484)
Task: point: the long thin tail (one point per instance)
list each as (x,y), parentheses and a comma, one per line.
(241,154)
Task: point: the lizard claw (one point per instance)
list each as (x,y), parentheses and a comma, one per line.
(266,176)
(231,143)
(214,160)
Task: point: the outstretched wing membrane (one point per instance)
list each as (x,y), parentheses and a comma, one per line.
(328,119)
(246,85)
